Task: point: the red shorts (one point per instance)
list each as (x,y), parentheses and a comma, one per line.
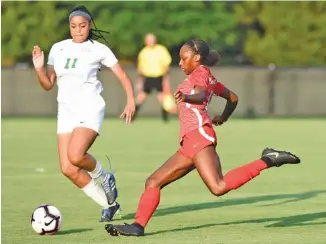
(196,140)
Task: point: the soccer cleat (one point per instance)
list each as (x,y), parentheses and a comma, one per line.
(109,213)
(266,150)
(277,158)
(109,187)
(125,230)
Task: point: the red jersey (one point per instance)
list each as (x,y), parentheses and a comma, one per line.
(194,116)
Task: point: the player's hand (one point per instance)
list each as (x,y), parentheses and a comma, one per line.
(218,120)
(38,57)
(129,111)
(179,97)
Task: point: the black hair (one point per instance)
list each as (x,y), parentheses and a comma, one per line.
(94,34)
(208,57)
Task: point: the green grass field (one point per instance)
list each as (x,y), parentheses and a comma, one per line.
(283,205)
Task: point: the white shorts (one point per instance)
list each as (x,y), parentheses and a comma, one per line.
(88,114)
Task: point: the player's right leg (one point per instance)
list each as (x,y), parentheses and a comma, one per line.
(174,168)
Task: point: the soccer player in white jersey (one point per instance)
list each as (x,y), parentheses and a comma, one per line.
(74,63)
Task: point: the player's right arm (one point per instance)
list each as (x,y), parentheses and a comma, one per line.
(197,98)
(46,77)
(199,82)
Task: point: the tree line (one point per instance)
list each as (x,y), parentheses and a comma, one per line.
(259,33)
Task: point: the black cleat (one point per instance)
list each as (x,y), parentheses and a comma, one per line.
(266,150)
(125,230)
(109,213)
(277,158)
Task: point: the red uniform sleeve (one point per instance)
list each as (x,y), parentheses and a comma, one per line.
(200,78)
(218,88)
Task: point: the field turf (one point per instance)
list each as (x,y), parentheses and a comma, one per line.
(285,205)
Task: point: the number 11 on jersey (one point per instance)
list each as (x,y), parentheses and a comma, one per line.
(67,66)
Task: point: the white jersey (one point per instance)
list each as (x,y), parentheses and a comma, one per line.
(76,66)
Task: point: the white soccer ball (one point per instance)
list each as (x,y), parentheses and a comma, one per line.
(169,104)
(46,220)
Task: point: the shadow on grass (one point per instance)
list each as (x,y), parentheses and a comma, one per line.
(287,198)
(294,220)
(288,221)
(73,231)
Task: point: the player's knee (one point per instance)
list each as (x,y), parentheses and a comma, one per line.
(217,189)
(152,182)
(68,171)
(75,158)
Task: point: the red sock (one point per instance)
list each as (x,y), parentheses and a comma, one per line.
(147,205)
(240,176)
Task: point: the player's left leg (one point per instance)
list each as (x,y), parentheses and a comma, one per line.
(81,140)
(173,169)
(164,113)
(140,99)
(208,164)
(142,95)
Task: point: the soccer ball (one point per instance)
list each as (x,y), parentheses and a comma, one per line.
(168,103)
(46,220)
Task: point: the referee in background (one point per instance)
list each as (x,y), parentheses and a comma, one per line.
(154,61)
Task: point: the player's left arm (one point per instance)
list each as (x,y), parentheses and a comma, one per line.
(111,61)
(231,104)
(126,83)
(124,80)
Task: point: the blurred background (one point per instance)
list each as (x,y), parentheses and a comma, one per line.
(273,54)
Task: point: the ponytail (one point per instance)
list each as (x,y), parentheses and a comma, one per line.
(211,59)
(208,58)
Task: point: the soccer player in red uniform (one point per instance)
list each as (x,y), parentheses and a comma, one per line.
(198,140)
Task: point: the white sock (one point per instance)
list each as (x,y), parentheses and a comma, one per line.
(98,173)
(96,192)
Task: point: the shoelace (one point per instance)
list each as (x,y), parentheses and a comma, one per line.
(110,164)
